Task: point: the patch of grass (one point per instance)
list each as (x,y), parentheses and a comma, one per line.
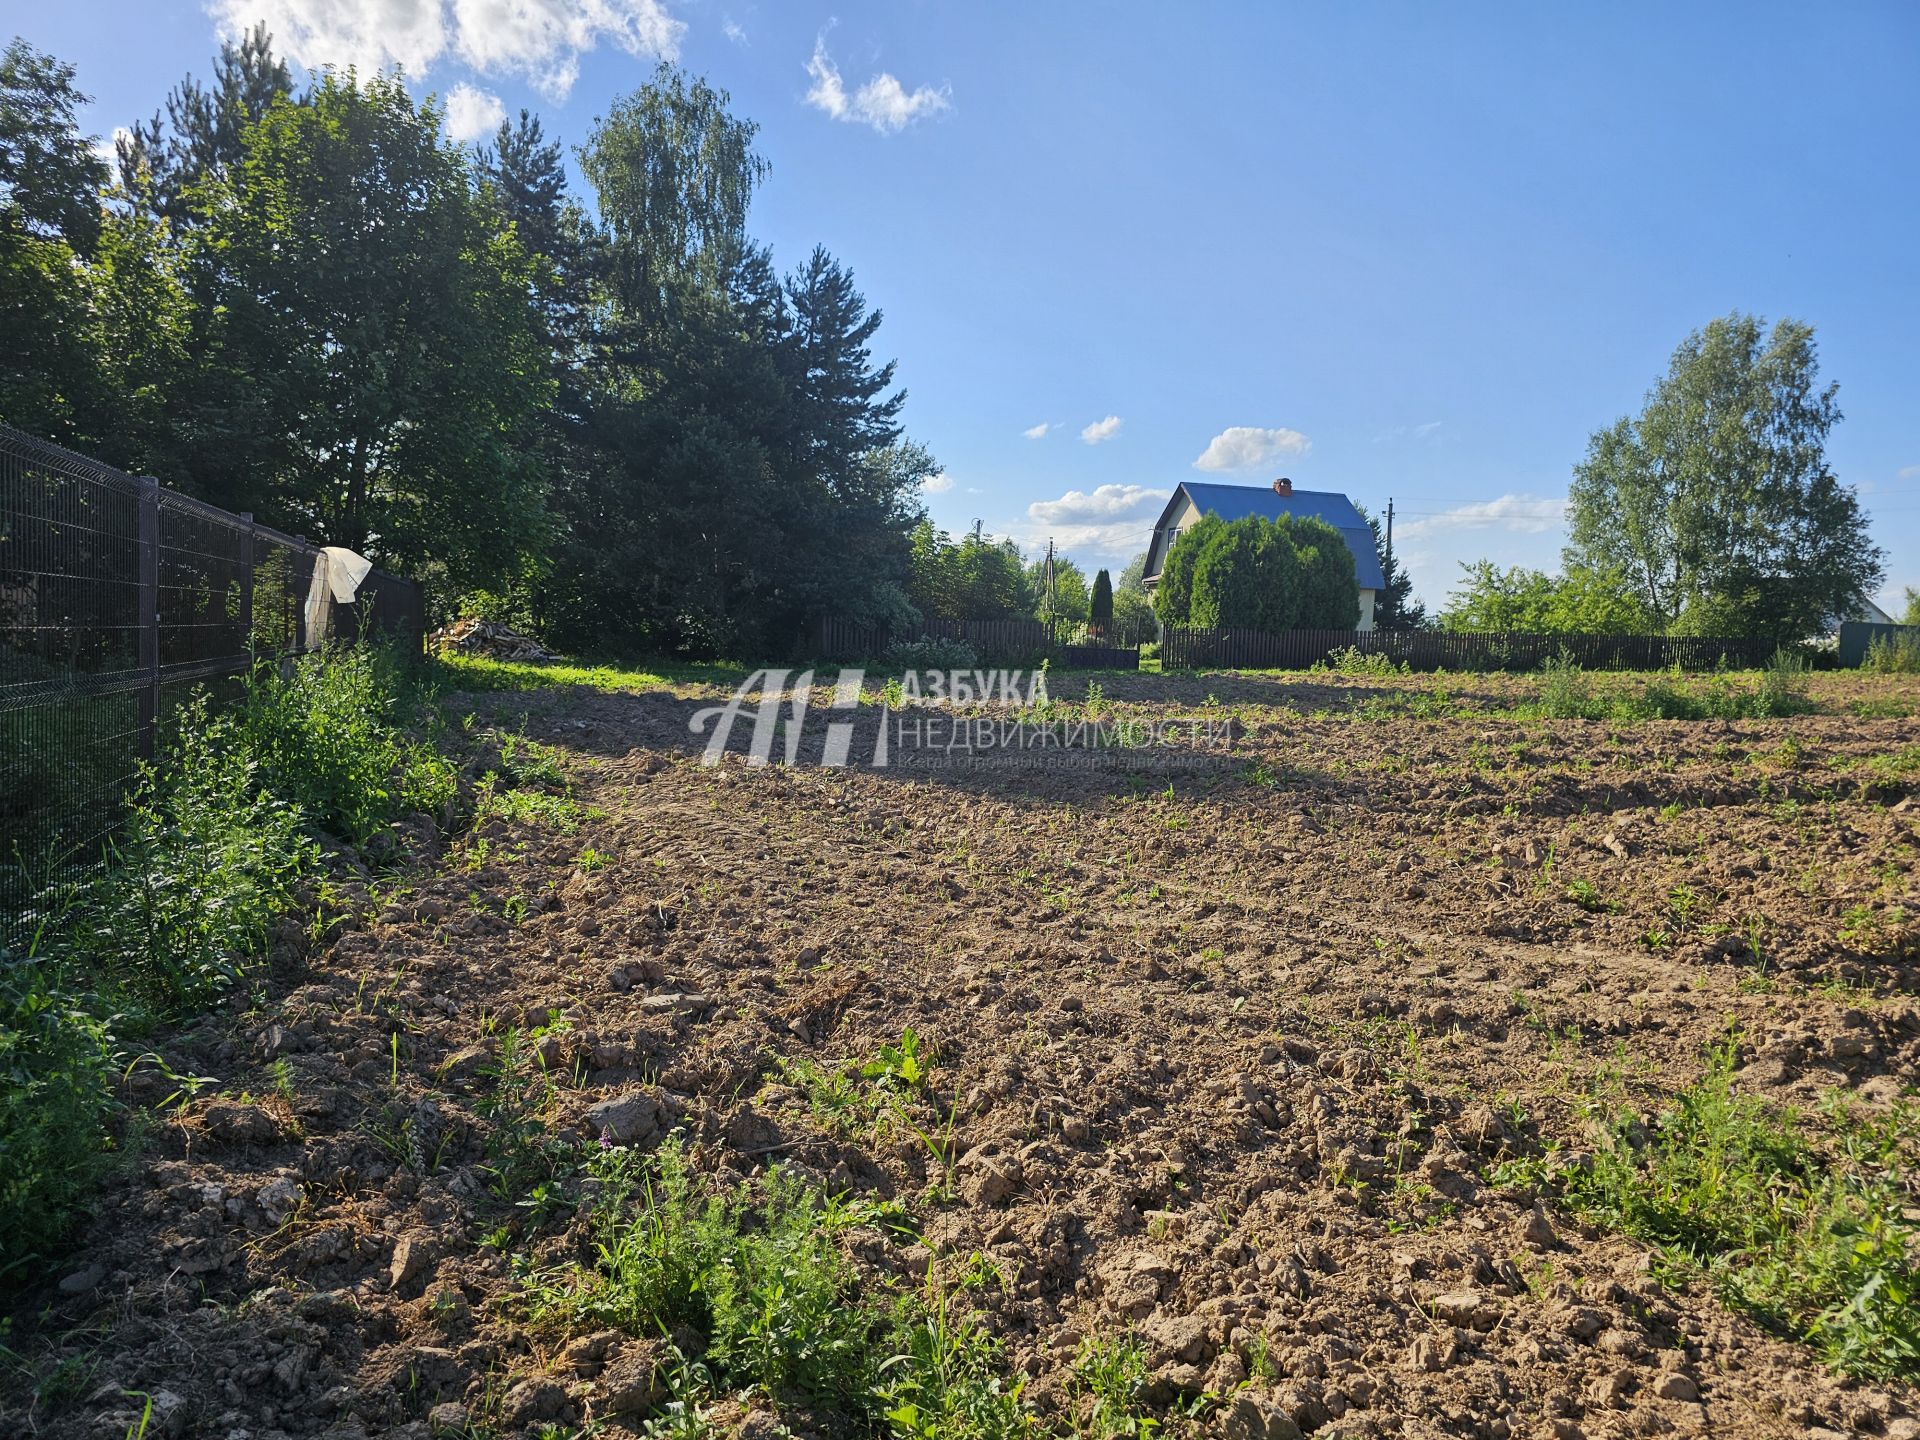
(475,673)
(330,737)
(1588,897)
(57,1060)
(208,858)
(1109,1379)
(216,847)
(1895,654)
(1812,1235)
(522,1151)
(1351,661)
(875,1094)
(1565,693)
(762,1274)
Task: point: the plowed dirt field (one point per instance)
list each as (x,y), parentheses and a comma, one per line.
(1282,1073)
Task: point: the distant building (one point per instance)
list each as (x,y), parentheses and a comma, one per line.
(1871,614)
(1192,499)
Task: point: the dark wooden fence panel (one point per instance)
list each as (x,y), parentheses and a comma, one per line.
(1184,649)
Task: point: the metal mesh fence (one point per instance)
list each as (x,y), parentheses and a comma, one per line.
(117,597)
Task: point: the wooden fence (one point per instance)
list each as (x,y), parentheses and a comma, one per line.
(1182,649)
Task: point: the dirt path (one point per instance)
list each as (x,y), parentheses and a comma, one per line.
(1228,1060)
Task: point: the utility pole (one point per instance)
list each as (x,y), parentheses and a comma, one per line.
(1049,581)
(1389,527)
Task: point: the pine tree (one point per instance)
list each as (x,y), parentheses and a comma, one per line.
(160,165)
(1100,607)
(844,411)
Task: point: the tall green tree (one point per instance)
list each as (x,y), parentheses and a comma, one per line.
(1532,602)
(1329,582)
(1247,576)
(1259,574)
(977,578)
(50,223)
(93,319)
(201,138)
(529,180)
(747,468)
(50,178)
(1067,598)
(372,361)
(1716,502)
(675,173)
(1173,596)
(1100,606)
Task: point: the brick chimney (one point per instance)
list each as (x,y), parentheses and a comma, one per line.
(1283,486)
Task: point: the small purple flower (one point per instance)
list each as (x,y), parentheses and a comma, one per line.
(605,1143)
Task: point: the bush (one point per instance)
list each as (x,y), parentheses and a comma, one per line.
(325,738)
(927,653)
(206,861)
(1258,574)
(1353,661)
(56,1086)
(762,1272)
(215,848)
(1783,687)
(1897,654)
(1564,691)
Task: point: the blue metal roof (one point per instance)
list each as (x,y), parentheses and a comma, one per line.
(1236,502)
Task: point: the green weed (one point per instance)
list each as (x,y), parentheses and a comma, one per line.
(1814,1239)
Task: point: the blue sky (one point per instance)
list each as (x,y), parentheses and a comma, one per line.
(1415,251)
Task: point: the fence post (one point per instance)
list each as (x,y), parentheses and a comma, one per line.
(149,692)
(246,583)
(300,606)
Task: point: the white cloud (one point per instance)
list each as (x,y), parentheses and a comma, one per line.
(1426,431)
(1241,447)
(937,484)
(1038,432)
(1107,502)
(1515,514)
(1907,472)
(734,30)
(1102,430)
(107,151)
(542,40)
(473,113)
(883,102)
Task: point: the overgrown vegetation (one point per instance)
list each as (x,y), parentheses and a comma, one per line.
(1567,692)
(221,840)
(1897,654)
(1808,1230)
(1260,574)
(762,1273)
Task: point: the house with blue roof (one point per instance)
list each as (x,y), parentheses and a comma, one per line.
(1192,499)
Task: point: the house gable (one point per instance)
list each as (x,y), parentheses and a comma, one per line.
(1192,499)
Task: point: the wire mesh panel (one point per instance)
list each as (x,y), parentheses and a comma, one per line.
(117,598)
(69,656)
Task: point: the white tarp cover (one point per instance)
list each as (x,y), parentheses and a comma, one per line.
(345,572)
(337,576)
